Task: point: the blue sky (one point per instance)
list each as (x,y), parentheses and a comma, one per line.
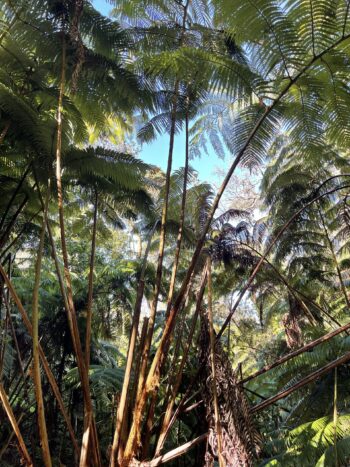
(157,152)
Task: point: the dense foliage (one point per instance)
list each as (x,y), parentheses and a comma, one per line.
(148,317)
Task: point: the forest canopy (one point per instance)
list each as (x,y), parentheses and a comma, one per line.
(149,316)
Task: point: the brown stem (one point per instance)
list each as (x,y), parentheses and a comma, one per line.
(159,271)
(168,413)
(177,452)
(136,427)
(44,362)
(308,379)
(15,427)
(85,444)
(297,352)
(213,366)
(121,413)
(91,283)
(44,441)
(149,422)
(72,319)
(182,220)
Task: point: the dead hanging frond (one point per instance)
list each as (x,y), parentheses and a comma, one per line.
(291,322)
(240,439)
(75,36)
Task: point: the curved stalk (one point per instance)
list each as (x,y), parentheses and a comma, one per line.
(15,427)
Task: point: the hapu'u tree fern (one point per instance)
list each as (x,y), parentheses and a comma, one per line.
(105,260)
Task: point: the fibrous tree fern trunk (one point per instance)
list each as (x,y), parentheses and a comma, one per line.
(224,399)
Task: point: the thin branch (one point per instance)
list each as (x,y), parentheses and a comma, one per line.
(308,379)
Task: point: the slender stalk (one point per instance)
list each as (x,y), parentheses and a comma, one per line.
(159,272)
(171,401)
(182,218)
(15,427)
(135,432)
(44,362)
(305,348)
(73,324)
(213,367)
(91,284)
(175,453)
(85,444)
(44,441)
(308,379)
(121,413)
